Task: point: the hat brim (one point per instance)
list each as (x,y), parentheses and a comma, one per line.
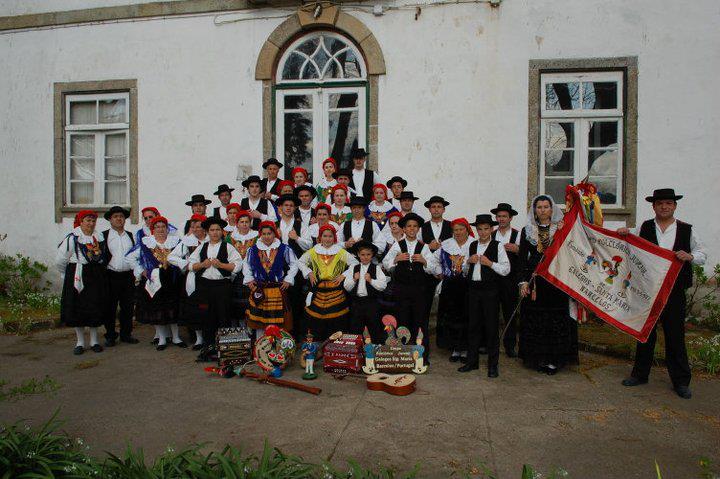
(273,162)
(213,221)
(403,221)
(312,191)
(247,183)
(497,210)
(296,201)
(229,190)
(428,203)
(414,198)
(109,213)
(190,203)
(404,183)
(355,249)
(491,223)
(652,199)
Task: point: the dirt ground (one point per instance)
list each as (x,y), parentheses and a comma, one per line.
(581,420)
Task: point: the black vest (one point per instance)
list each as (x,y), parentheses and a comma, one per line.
(513,257)
(371,292)
(222,256)
(683,233)
(294,246)
(216,213)
(108,254)
(487,274)
(409,272)
(298,216)
(367,232)
(367,184)
(262,207)
(428,235)
(275,190)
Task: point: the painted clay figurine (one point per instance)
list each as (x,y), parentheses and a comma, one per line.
(370,348)
(418,351)
(309,351)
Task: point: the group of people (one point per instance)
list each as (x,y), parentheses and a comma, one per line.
(334,256)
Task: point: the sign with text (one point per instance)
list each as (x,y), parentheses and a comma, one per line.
(394,359)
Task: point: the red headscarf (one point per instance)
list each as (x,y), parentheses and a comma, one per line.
(286,183)
(324,206)
(242,213)
(329,160)
(233,206)
(339,186)
(82,214)
(195,217)
(156,220)
(150,208)
(327,227)
(394,213)
(382,187)
(299,169)
(465,223)
(269,224)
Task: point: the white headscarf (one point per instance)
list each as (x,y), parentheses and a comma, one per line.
(531,228)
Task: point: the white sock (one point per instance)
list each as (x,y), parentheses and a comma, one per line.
(160,333)
(551,366)
(198,336)
(455,353)
(175,333)
(93,336)
(80,333)
(463,354)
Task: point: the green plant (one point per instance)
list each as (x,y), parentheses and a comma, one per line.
(703,304)
(705,353)
(31,386)
(20,276)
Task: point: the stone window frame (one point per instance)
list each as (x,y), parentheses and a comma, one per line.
(629,67)
(61,91)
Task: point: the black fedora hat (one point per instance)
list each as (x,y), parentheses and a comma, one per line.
(223,189)
(213,220)
(342,172)
(116,209)
(363,244)
(271,161)
(433,199)
(411,216)
(663,194)
(251,179)
(198,199)
(408,195)
(484,219)
(359,153)
(396,179)
(358,201)
(283,198)
(309,188)
(504,207)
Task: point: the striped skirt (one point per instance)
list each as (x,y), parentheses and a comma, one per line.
(329,302)
(273,309)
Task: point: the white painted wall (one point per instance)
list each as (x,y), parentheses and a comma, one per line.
(453,105)
(23,7)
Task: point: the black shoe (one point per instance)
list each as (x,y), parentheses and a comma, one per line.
(510,352)
(493,372)
(463,359)
(482,351)
(129,340)
(552,371)
(683,392)
(78,350)
(632,381)
(97,348)
(109,343)
(197,347)
(155,341)
(181,344)
(161,347)
(454,358)
(468,367)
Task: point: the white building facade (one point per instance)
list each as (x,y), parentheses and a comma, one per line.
(120,102)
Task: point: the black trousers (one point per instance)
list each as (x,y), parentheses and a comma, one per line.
(483,321)
(411,307)
(673,322)
(121,286)
(216,294)
(365,313)
(508,301)
(431,283)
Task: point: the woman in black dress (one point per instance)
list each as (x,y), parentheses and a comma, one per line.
(548,335)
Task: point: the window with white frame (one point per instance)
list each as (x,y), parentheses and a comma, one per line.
(581,133)
(96,149)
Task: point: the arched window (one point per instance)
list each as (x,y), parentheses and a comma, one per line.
(321,57)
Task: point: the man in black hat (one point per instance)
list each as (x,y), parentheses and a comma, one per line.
(270,185)
(669,233)
(358,227)
(433,233)
(397,185)
(305,212)
(362,180)
(224,194)
(344,177)
(410,260)
(260,208)
(121,282)
(509,238)
(365,282)
(486,264)
(198,205)
(407,203)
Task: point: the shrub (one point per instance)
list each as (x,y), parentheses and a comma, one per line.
(703,304)
(21,276)
(705,353)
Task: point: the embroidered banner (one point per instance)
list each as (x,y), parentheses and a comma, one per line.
(625,280)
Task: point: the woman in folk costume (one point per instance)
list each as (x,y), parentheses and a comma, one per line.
(242,238)
(192,311)
(327,181)
(322,218)
(548,335)
(392,233)
(340,212)
(156,299)
(379,207)
(148,213)
(269,270)
(286,187)
(300,176)
(323,265)
(452,308)
(232,211)
(82,263)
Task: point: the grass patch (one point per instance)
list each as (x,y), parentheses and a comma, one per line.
(36,311)
(28,388)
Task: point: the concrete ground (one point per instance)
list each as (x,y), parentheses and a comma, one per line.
(581,420)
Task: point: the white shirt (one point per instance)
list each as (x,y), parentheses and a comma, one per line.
(389,261)
(305,215)
(290,258)
(270,216)
(356,230)
(504,238)
(359,180)
(379,283)
(436,227)
(181,253)
(118,244)
(501,266)
(222,211)
(666,240)
(304,240)
(212,252)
